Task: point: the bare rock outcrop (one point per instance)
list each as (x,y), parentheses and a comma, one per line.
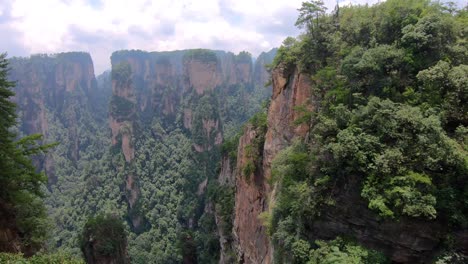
(290,89)
(58,85)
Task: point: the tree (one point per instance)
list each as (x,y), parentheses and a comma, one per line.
(20,183)
(104,238)
(309,12)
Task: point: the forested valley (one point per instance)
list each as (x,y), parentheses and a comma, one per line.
(347,144)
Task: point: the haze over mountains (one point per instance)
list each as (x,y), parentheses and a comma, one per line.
(141,142)
(347,144)
(101,27)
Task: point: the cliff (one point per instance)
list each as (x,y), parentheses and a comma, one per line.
(103,241)
(407,240)
(260,74)
(290,89)
(144,145)
(198,88)
(59,85)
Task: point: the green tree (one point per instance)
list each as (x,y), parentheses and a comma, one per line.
(104,236)
(20,184)
(309,15)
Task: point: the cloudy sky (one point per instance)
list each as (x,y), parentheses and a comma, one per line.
(103,26)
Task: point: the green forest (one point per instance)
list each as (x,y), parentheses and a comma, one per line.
(130,166)
(391,85)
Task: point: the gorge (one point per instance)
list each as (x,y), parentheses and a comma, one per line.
(347,144)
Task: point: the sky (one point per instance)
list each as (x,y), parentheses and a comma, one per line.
(103,26)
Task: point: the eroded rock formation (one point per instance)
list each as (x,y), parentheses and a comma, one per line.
(53,87)
(290,89)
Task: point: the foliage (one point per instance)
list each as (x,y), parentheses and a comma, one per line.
(389,84)
(244,57)
(121,73)
(288,53)
(451,258)
(229,147)
(106,233)
(202,55)
(385,142)
(20,184)
(341,251)
(223,197)
(55,258)
(121,108)
(309,15)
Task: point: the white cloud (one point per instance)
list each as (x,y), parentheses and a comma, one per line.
(103,26)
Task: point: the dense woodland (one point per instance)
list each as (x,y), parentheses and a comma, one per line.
(87,180)
(390,115)
(390,86)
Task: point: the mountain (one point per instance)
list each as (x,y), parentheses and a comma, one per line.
(358,156)
(361,155)
(141,142)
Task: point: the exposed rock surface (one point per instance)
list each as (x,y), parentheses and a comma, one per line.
(252,245)
(408,240)
(162,86)
(202,76)
(61,84)
(290,88)
(261,76)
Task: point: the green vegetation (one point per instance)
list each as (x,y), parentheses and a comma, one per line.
(121,107)
(223,197)
(56,258)
(340,251)
(105,234)
(122,73)
(21,186)
(254,150)
(244,57)
(229,147)
(202,55)
(172,218)
(391,83)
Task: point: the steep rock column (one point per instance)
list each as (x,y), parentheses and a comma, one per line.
(57,87)
(251,241)
(291,88)
(202,75)
(122,109)
(122,118)
(202,71)
(226,180)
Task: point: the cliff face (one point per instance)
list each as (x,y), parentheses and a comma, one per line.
(53,93)
(155,80)
(408,240)
(59,85)
(202,75)
(260,74)
(290,89)
(159,87)
(251,241)
(50,81)
(153,104)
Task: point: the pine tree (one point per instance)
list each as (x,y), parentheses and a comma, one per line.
(21,206)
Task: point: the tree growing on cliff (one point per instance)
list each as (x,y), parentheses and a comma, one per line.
(21,206)
(309,15)
(104,240)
